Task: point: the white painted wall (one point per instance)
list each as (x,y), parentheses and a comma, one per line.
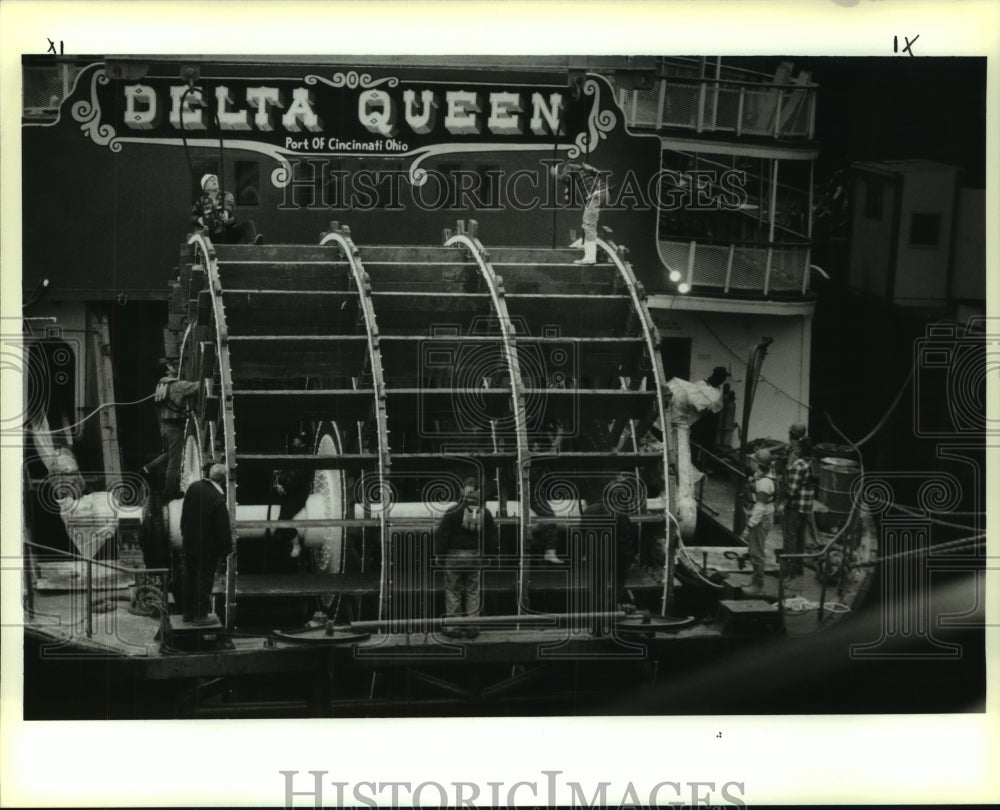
(726,339)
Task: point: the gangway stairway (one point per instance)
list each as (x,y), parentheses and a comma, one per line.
(411,368)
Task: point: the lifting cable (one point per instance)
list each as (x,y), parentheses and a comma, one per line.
(868,437)
(187,153)
(888,413)
(98,408)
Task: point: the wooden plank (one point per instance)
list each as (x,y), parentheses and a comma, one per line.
(331,523)
(262,408)
(250,461)
(276,253)
(287,276)
(272,585)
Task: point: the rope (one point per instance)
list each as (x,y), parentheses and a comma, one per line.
(799,604)
(92,413)
(911,510)
(954,545)
(888,413)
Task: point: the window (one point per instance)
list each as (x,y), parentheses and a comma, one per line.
(925,230)
(874,193)
(247,182)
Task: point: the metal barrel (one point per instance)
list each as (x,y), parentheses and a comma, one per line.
(836,476)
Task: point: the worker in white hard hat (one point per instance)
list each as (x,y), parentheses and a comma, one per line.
(215,213)
(760,517)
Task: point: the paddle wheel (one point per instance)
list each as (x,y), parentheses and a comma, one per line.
(409,369)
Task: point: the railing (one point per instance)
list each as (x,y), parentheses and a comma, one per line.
(89,564)
(45,87)
(792,203)
(784,110)
(759,268)
(697,67)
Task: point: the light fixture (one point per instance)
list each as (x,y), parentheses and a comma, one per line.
(683,288)
(675,276)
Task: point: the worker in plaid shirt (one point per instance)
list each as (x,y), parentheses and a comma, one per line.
(799,504)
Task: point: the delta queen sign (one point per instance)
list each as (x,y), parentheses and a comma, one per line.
(345,113)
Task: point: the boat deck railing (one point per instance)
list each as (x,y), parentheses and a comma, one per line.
(779,106)
(750,267)
(140,574)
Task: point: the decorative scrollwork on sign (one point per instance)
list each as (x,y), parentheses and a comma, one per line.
(599,123)
(352,79)
(88,114)
(282,176)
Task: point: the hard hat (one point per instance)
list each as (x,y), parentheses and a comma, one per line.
(763,457)
(797,431)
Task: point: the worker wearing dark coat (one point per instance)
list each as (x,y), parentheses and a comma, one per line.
(459,540)
(215,212)
(207,539)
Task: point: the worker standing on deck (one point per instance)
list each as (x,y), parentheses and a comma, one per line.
(459,540)
(760,518)
(172,398)
(207,538)
(796,521)
(796,433)
(595,190)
